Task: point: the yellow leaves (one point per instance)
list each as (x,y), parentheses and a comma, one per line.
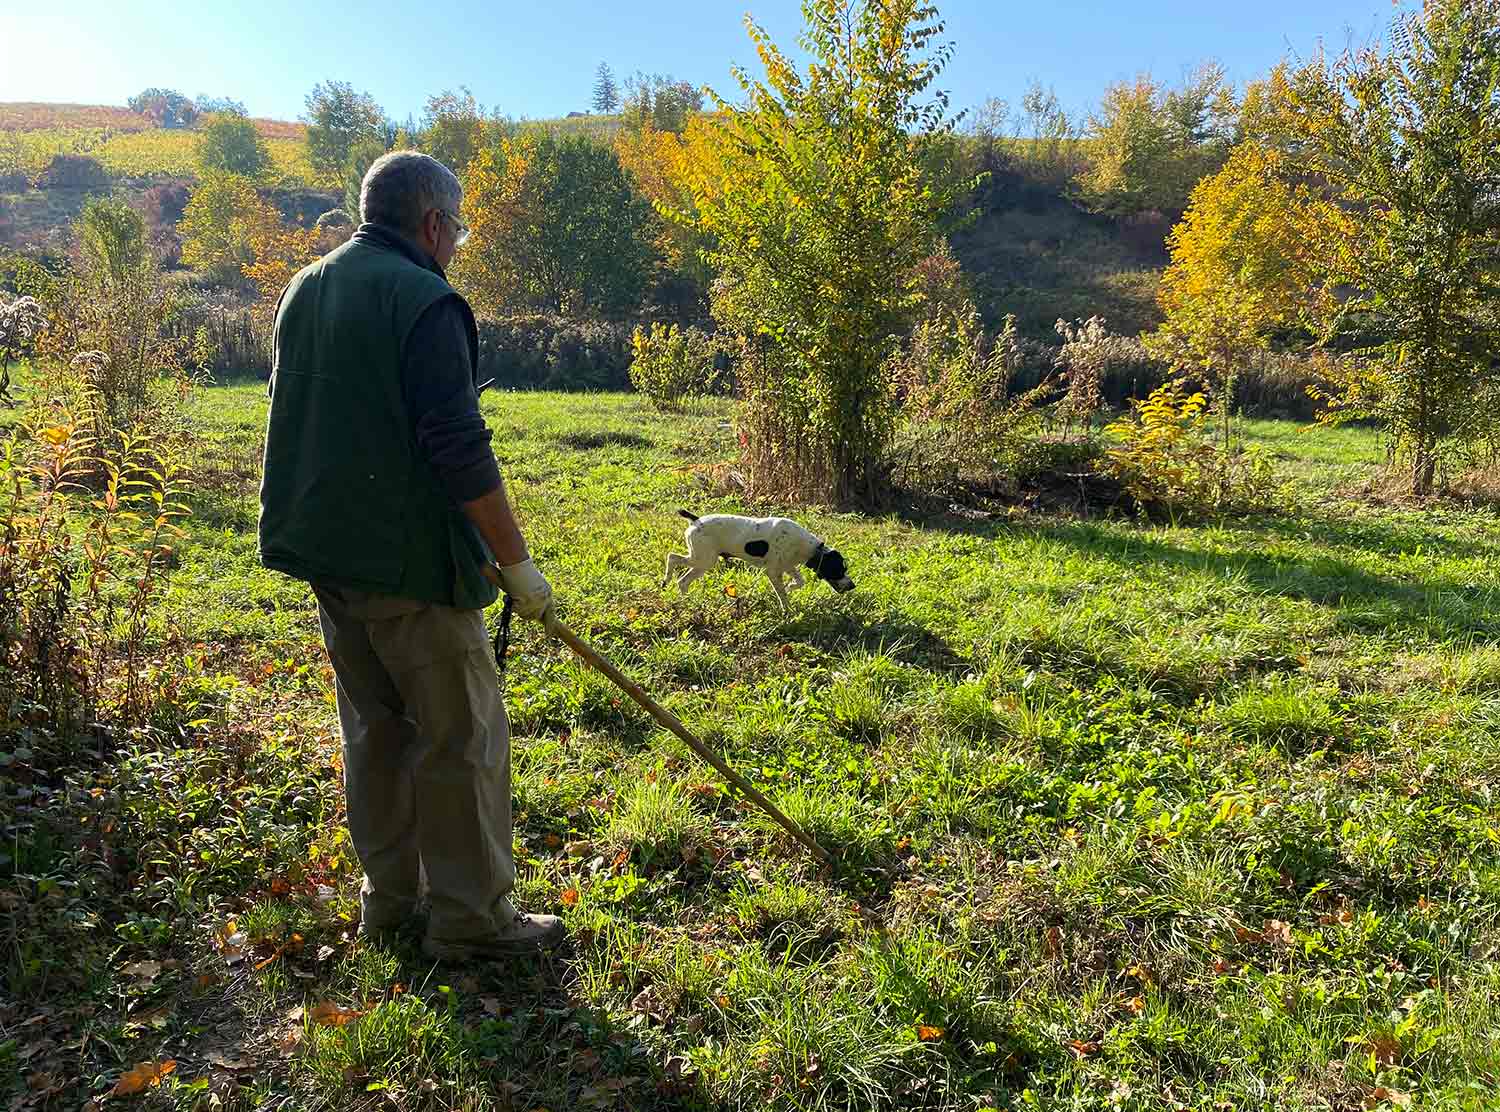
(57,435)
(929,1034)
(569,897)
(144,1076)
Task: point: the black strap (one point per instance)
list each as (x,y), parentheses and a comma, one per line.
(502,635)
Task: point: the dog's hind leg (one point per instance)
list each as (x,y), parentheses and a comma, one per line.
(674,564)
(689,578)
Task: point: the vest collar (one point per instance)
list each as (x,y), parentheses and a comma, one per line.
(388,239)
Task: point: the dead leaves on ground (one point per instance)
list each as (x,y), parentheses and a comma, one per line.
(329,1014)
(144,1076)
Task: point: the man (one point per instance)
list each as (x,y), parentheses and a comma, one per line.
(382,491)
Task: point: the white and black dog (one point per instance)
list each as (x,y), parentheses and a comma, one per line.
(780,546)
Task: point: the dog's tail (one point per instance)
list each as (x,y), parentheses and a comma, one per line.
(686,514)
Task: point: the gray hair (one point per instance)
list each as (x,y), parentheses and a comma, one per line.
(401,187)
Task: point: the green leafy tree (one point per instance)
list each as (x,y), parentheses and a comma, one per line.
(218,226)
(338,118)
(361,158)
(814,193)
(168,107)
(112,237)
(1405,139)
(663,103)
(555,225)
(230,144)
(1149,145)
(606,92)
(453,128)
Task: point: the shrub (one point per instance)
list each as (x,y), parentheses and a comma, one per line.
(230,144)
(217,226)
(73,171)
(539,352)
(80,572)
(110,333)
(961,425)
(112,236)
(672,365)
(1165,459)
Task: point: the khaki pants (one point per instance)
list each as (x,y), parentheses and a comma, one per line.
(426,759)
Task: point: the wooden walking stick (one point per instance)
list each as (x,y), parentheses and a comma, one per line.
(650,705)
(662,715)
(673,723)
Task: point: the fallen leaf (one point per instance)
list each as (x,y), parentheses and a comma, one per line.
(206,981)
(144,1076)
(1277,931)
(329,1014)
(579,849)
(1393,1096)
(569,897)
(1083,1049)
(929,1034)
(1135,1005)
(1387,1050)
(1052,944)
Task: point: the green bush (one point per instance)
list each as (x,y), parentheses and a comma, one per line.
(673,365)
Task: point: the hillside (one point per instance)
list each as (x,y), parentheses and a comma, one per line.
(1029,251)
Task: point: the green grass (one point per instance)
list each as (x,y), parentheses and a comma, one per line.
(1130,817)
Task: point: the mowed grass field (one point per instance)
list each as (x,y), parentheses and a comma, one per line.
(1128,817)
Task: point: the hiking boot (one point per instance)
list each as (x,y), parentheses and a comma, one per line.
(526,934)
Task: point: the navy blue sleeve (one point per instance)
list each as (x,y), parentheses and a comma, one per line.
(437,382)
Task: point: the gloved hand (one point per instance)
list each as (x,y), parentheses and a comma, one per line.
(526,586)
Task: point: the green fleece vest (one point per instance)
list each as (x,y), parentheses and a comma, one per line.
(347,499)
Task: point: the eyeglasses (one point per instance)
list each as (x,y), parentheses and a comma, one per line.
(461,230)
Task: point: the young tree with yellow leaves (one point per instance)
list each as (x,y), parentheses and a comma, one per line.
(814,193)
(1244,265)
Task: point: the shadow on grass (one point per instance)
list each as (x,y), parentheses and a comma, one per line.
(893,635)
(528,1033)
(1438,607)
(589,441)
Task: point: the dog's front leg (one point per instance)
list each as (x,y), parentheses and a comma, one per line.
(775,578)
(674,562)
(796,577)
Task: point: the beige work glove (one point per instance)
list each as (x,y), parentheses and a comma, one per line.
(528,589)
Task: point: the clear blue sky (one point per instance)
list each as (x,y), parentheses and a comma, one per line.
(537,59)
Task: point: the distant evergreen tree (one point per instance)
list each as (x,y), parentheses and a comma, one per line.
(606,93)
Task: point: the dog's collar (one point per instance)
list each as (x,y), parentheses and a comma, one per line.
(815,561)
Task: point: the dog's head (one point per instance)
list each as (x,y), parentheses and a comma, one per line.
(828,565)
